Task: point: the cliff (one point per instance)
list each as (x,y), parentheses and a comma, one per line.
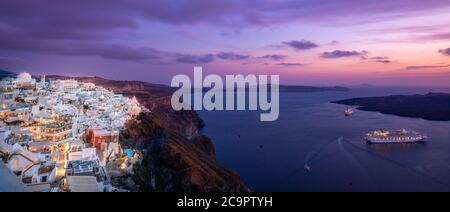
(174,163)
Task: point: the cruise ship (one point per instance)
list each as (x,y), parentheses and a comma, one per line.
(396,136)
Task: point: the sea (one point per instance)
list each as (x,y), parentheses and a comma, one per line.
(314,147)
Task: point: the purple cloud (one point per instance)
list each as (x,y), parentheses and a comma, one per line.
(301,44)
(255,63)
(265,12)
(290,64)
(61,20)
(190,58)
(13,40)
(275,57)
(47,21)
(383,61)
(112,29)
(409,29)
(426,67)
(350,11)
(379,59)
(232,56)
(434,37)
(120,52)
(18,40)
(6,61)
(445,52)
(341,53)
(334,42)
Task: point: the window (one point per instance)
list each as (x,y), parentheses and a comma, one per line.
(8,96)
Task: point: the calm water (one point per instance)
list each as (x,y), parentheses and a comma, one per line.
(271,156)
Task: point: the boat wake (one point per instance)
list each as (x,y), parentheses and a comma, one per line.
(312,156)
(417,170)
(366,178)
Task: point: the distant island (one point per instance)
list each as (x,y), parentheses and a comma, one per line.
(282,88)
(299,88)
(4,74)
(431,106)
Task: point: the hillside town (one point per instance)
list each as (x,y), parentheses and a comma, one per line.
(64,135)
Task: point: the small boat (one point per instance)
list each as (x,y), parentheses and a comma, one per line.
(348,112)
(307,168)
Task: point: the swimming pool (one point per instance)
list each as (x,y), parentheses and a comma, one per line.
(129,152)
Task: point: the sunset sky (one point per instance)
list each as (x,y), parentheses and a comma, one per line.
(309,42)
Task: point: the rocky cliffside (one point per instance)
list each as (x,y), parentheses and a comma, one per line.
(174,163)
(177,157)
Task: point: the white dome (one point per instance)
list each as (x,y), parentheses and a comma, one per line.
(24,77)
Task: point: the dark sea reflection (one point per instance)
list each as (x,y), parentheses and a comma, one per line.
(392,147)
(313,134)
